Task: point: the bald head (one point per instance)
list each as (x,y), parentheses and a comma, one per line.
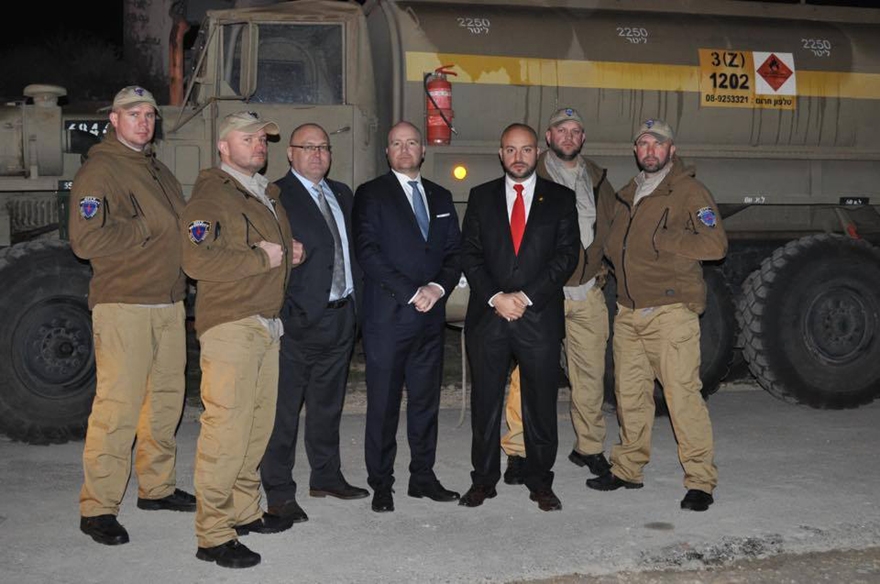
(405,149)
(309,152)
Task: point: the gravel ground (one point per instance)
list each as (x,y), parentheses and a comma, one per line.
(849,566)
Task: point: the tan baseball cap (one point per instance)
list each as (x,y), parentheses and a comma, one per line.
(247,122)
(133,95)
(564,115)
(657,128)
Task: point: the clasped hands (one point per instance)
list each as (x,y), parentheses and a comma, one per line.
(510,305)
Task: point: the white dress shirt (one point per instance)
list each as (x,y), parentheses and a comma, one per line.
(336,210)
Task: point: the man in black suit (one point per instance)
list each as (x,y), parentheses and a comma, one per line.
(407,242)
(319,317)
(520,244)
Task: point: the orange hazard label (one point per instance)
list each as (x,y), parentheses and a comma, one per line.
(774,72)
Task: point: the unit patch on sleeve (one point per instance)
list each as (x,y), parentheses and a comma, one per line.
(707,216)
(88,207)
(198,231)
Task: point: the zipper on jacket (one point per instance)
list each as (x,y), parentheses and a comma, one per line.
(660,224)
(156,178)
(632,215)
(284,257)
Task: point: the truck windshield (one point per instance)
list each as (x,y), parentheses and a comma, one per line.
(296,63)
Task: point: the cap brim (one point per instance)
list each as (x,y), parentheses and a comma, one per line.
(270,127)
(660,137)
(562,121)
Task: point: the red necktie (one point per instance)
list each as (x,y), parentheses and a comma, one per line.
(518,218)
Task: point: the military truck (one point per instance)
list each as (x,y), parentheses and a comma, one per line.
(776,106)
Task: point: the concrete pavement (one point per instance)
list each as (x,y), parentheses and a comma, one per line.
(792,479)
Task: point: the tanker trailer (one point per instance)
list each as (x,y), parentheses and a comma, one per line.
(776,106)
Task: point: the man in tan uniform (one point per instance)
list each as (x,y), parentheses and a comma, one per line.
(586,316)
(238,246)
(123,218)
(664,224)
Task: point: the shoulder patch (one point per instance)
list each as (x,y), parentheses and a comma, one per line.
(707,216)
(89,206)
(198,231)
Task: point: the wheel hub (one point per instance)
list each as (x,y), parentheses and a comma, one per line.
(839,325)
(54,347)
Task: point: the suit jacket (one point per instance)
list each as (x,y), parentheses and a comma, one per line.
(547,257)
(395,257)
(308,290)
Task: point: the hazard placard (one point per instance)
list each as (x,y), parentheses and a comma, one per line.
(775,80)
(747,79)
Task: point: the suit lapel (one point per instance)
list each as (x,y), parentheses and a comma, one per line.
(499,210)
(432,208)
(539,204)
(403,205)
(304,203)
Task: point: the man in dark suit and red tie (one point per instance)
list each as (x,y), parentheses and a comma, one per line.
(407,242)
(319,317)
(520,244)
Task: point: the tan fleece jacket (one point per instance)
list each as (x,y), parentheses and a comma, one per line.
(124,210)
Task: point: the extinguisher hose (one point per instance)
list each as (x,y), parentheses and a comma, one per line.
(437,107)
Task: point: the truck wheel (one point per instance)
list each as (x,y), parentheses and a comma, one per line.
(717,331)
(810,319)
(717,326)
(47,377)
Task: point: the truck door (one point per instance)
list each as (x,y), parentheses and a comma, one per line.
(290,73)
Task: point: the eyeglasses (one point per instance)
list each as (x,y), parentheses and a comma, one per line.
(312,148)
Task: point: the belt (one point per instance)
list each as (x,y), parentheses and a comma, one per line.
(338,303)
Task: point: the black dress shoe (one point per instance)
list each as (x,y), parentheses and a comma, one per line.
(383,501)
(268,523)
(343,491)
(597,463)
(433,491)
(610,482)
(289,509)
(176,501)
(476,495)
(104,529)
(231,554)
(546,499)
(516,466)
(696,500)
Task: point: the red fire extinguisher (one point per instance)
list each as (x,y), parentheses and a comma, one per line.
(438,106)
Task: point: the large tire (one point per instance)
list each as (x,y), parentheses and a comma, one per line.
(47,374)
(810,319)
(717,335)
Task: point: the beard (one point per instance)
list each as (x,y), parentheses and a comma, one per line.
(652,165)
(564,156)
(520,174)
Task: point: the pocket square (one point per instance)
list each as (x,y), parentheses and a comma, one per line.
(442,215)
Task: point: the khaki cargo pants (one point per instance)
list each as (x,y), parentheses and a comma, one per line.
(661,343)
(586,338)
(239,387)
(140,352)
